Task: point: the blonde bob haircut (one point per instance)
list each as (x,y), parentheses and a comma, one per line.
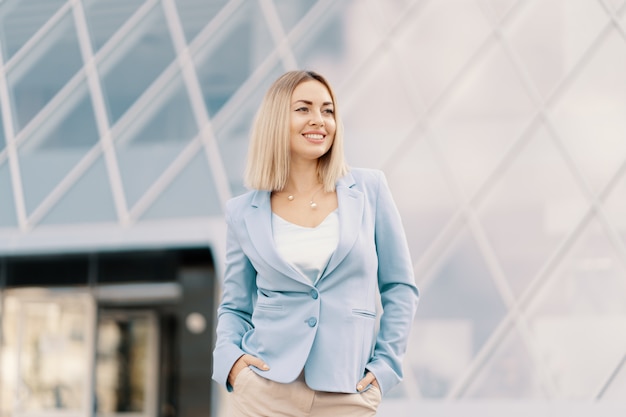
(269,153)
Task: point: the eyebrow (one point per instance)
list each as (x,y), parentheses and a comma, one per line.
(310,103)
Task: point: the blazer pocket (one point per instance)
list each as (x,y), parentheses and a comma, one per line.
(364,313)
(269,307)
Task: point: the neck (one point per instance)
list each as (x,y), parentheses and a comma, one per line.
(302,178)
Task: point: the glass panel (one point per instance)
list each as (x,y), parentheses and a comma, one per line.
(578,318)
(487,112)
(534,205)
(615,391)
(232,131)
(422,195)
(344,35)
(2,140)
(20,20)
(292,11)
(8,217)
(388,111)
(616,5)
(195,15)
(89,200)
(232,55)
(387,14)
(461,310)
(143,55)
(589,115)
(124,363)
(42,172)
(47,346)
(548,58)
(497,9)
(191,194)
(105,17)
(510,373)
(71,125)
(8,357)
(441,43)
(614,206)
(52,150)
(45,71)
(154,139)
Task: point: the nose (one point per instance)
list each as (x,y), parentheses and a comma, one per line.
(316,119)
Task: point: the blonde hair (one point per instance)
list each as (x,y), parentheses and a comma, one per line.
(269,154)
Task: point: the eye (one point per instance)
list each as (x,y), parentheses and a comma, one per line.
(302,109)
(329,111)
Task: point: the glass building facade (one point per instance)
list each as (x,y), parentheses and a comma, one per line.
(499,124)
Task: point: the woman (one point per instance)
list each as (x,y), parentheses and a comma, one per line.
(310,253)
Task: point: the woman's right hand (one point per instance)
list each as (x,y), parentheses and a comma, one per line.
(243,362)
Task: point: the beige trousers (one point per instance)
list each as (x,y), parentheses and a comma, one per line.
(255,396)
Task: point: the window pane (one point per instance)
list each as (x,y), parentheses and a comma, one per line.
(441,39)
(20,20)
(509,373)
(425,202)
(7,208)
(36,79)
(548,58)
(195,15)
(594,134)
(105,17)
(578,317)
(291,11)
(123,360)
(191,194)
(332,43)
(130,69)
(2,140)
(531,209)
(89,200)
(153,140)
(232,54)
(49,153)
(232,129)
(461,310)
(47,344)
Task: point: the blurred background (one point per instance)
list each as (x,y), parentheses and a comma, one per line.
(501,127)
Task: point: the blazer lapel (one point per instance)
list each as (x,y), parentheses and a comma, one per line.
(351,203)
(259,226)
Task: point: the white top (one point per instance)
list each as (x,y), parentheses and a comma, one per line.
(307,249)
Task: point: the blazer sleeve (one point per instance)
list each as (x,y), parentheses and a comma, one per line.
(398,292)
(234,315)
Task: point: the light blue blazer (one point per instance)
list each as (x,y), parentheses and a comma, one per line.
(331,328)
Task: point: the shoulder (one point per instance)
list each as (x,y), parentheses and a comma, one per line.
(364,178)
(236,206)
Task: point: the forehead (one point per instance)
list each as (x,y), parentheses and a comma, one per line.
(311,90)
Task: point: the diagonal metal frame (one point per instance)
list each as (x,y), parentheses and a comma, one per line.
(102,118)
(594,211)
(465,214)
(151,97)
(11,149)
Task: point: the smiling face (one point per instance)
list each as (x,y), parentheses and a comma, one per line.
(312,121)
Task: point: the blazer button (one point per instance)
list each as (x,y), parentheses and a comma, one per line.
(314,294)
(312,322)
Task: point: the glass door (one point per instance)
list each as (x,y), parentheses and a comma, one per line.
(127,363)
(47,353)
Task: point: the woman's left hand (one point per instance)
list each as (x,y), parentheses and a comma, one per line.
(368,379)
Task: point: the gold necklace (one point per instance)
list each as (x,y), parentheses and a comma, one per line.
(312,202)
